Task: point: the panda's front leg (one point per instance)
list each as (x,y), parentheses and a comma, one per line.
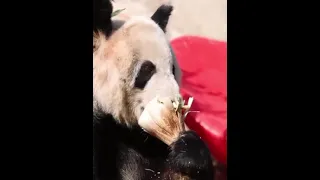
(189,159)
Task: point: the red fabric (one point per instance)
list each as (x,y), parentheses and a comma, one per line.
(204,77)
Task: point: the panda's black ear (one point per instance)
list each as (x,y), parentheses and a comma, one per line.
(102,10)
(161,16)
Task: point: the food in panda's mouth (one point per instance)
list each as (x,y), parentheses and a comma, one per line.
(164,118)
(116,12)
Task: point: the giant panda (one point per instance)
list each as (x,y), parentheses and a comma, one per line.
(132,63)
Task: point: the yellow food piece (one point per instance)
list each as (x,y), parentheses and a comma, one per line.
(179,105)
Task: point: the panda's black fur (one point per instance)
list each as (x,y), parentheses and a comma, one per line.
(122,153)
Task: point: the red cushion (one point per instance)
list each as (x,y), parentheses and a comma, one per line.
(204,68)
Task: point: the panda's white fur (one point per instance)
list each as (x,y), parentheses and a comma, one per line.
(121,149)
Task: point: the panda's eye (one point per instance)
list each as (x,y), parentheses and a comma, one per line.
(146,71)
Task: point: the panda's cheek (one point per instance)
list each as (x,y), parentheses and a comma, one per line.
(123,80)
(138,111)
(140,105)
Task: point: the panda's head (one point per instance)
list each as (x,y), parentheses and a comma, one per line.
(132,63)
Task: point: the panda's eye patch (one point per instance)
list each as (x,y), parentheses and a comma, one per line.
(146,71)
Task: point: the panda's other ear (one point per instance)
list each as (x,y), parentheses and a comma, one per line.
(161,16)
(102,10)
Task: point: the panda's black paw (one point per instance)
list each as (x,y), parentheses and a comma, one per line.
(190,156)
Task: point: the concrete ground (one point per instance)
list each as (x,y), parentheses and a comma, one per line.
(199,17)
(206,18)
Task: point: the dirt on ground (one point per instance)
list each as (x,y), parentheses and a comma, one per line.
(206,18)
